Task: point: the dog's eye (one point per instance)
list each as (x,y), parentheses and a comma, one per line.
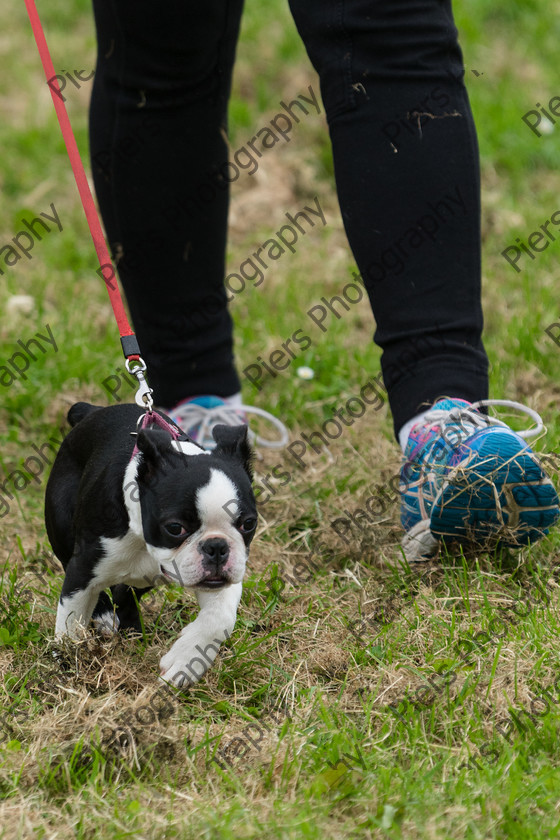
(175,529)
(247,525)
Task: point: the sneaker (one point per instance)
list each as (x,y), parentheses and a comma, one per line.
(197,416)
(468,478)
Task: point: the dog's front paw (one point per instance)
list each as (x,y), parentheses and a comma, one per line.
(175,675)
(188,660)
(176,668)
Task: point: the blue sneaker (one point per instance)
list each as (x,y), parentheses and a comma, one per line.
(197,417)
(468,478)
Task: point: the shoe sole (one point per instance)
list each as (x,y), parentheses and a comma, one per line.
(498,493)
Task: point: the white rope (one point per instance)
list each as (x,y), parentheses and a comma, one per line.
(524,409)
(192,414)
(469,419)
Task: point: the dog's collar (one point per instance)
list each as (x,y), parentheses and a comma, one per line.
(152,418)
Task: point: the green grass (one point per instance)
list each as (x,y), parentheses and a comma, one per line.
(406,700)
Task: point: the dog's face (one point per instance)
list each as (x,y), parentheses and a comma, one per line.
(198,512)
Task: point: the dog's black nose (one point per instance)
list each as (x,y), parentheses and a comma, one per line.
(215,551)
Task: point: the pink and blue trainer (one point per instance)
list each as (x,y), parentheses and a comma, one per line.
(468,478)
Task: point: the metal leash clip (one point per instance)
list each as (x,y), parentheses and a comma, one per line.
(143,396)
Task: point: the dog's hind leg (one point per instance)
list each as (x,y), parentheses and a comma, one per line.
(126,599)
(105,616)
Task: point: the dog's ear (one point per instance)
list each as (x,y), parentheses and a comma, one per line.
(155,446)
(80,410)
(232,442)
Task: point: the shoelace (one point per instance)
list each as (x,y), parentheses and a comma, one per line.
(193,414)
(469,419)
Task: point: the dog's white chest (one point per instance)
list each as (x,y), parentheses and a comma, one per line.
(126,560)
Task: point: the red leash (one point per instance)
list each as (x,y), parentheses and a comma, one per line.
(129,342)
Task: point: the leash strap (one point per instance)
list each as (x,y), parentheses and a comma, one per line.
(155,419)
(129,342)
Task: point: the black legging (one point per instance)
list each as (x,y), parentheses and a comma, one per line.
(407,176)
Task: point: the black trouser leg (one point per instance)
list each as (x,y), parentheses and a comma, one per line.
(407,175)
(158,143)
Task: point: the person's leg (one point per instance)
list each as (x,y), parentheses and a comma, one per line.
(407,174)
(406,167)
(159,154)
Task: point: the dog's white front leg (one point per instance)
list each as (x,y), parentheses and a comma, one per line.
(199,642)
(74,612)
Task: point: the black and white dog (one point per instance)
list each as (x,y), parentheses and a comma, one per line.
(129,512)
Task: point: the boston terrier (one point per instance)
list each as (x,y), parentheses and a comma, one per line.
(132,503)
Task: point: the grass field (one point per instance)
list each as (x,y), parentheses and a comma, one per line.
(357,698)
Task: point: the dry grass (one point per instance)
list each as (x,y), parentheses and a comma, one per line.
(382,687)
